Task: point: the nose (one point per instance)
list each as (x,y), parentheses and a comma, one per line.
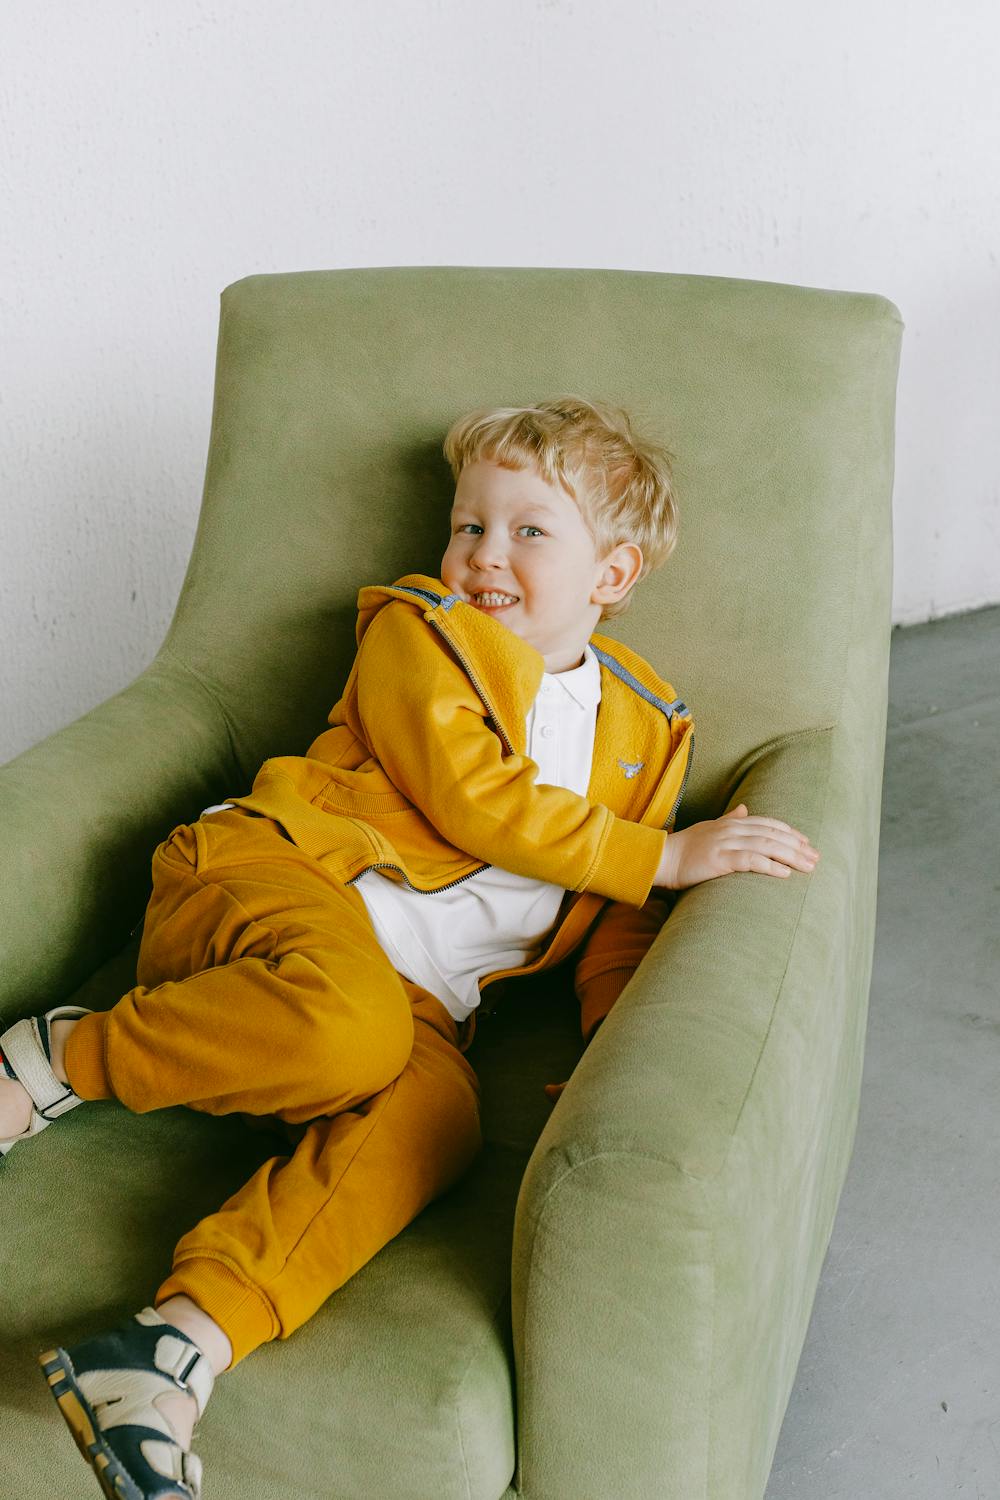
(488,553)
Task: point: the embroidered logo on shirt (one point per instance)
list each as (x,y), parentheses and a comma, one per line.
(631,767)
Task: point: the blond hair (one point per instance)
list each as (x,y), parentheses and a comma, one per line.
(622,483)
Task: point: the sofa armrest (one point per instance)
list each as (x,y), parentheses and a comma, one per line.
(80,815)
(674,1215)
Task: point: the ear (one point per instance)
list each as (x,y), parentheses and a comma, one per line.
(619,572)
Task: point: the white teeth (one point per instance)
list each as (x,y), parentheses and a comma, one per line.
(494,599)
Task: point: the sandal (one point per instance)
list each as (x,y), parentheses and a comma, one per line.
(107,1388)
(26,1056)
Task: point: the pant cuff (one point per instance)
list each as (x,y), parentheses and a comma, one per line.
(240,1310)
(84,1058)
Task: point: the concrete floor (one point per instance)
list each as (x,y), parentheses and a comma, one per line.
(897,1395)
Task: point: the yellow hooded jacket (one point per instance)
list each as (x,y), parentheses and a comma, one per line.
(423,775)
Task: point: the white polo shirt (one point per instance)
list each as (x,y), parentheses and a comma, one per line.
(448,940)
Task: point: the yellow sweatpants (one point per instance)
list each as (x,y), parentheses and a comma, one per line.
(262,989)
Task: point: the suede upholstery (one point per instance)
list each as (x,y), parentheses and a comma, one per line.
(613,1302)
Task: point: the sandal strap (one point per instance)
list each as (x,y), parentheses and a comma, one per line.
(180,1358)
(26,1049)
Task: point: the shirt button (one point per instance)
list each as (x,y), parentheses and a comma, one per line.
(546,731)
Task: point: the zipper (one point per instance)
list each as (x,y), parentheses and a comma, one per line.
(387,864)
(687,773)
(478,686)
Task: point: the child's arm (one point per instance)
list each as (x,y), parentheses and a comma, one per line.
(424,722)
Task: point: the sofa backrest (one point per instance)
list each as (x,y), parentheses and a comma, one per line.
(334,390)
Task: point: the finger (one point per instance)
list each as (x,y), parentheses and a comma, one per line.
(802,856)
(780,849)
(749,820)
(767,838)
(748,825)
(760,864)
(760,820)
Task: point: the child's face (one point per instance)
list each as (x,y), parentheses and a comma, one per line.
(513,532)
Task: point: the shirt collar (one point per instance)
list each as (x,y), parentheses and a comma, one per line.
(582,683)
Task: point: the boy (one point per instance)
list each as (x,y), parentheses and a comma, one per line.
(495,779)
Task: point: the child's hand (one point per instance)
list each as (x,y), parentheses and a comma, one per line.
(736,841)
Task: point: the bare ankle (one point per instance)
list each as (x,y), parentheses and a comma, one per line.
(58,1034)
(186,1315)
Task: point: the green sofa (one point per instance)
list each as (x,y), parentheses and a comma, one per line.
(612,1303)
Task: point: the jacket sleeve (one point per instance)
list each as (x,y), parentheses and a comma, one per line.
(422,719)
(617,943)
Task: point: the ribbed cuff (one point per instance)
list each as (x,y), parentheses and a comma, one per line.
(84,1058)
(628,862)
(235,1304)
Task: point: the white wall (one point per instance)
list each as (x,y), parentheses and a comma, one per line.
(154,154)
